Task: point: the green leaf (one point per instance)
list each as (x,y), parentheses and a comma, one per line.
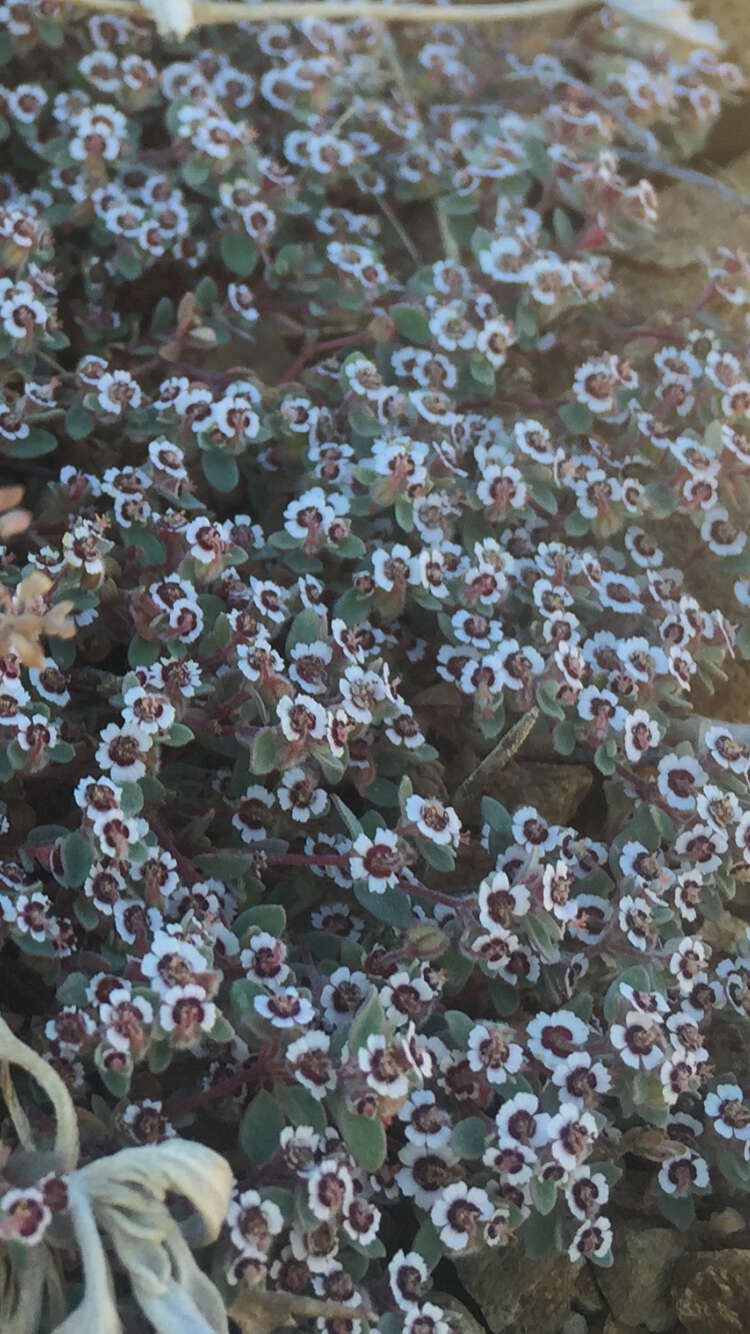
(300,1107)
(206,293)
(79,422)
(604,761)
(137,535)
(537,157)
(128,264)
(497,816)
(142,652)
(364,1137)
(177,735)
(564,738)
(546,698)
(469,1137)
(62,752)
(222,1030)
(369,1019)
(353,826)
(734,1169)
(195,172)
(504,997)
(403,513)
(577,417)
(392,906)
(545,496)
(163,317)
(73,990)
(77,859)
(437,855)
(220,470)
(411,323)
(576,524)
(260,1128)
(268,748)
(33,446)
(307,627)
(159,1056)
(225,865)
(238,253)
(268,917)
(86,914)
(427,1243)
(459,1026)
(131,801)
(563,227)
(116,1082)
(544,1195)
(679,1210)
(539,1235)
(243,993)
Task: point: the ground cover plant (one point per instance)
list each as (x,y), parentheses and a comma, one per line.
(336,477)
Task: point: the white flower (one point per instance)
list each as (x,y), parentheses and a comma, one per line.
(122,749)
(298,795)
(378,860)
(553,1037)
(386,1066)
(683,1173)
(457,1213)
(491,1051)
(407,1274)
(253,1223)
(286,1008)
(519,1121)
(330,1189)
(186,1013)
(726,1107)
(591,1239)
(435,822)
(571,1133)
(302,717)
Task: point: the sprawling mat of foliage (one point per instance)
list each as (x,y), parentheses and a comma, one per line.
(340,457)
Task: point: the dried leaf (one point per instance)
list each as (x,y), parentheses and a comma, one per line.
(14,522)
(258,1312)
(10,496)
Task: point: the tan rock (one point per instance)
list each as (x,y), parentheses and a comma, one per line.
(520,1295)
(556,790)
(638,1287)
(732,18)
(712,1292)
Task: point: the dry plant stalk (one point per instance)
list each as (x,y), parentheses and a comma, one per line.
(179,17)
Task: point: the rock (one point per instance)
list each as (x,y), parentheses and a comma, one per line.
(617,1327)
(575,1324)
(520,1295)
(463,1318)
(712,1292)
(638,1286)
(732,18)
(726,1221)
(587,1296)
(556,790)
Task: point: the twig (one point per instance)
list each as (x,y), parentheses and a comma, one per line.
(502,754)
(218,11)
(662,166)
(449,243)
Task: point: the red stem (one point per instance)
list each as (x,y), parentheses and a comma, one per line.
(312,350)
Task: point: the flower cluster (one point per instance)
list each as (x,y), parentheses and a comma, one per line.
(328,515)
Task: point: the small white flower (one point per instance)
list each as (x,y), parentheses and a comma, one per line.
(435,822)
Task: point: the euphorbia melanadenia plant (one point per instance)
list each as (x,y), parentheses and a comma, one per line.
(343,458)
